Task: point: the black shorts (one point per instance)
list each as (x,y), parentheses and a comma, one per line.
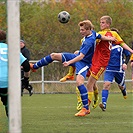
(4,96)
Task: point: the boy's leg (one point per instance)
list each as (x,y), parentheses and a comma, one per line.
(108,79)
(4,99)
(70,75)
(90,84)
(120,80)
(105,93)
(123,90)
(84,96)
(96,97)
(103,104)
(43,62)
(79,103)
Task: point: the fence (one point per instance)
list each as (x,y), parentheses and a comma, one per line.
(43,82)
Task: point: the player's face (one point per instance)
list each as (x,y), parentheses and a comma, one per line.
(21,45)
(84,32)
(104,24)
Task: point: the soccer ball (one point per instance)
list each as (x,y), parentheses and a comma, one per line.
(63,17)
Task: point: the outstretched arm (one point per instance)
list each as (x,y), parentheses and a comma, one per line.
(125,46)
(76,59)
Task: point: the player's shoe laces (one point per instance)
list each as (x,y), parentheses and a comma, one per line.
(79,106)
(124,93)
(102,106)
(31,67)
(83,112)
(67,77)
(95,103)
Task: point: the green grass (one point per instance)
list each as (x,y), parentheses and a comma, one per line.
(54,113)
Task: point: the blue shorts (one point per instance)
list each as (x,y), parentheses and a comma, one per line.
(119,77)
(81,67)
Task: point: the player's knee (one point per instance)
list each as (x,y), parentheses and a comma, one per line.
(79,82)
(53,55)
(106,86)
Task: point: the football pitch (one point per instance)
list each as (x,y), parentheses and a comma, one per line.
(54,113)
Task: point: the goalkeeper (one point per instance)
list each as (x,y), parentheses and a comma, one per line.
(4,70)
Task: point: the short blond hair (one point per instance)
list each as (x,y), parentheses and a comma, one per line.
(107,18)
(87,24)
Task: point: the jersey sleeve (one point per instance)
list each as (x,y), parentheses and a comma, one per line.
(98,36)
(119,39)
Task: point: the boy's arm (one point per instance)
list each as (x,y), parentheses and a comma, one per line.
(125,46)
(106,38)
(76,59)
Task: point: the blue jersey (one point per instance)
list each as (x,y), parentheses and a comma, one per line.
(4,64)
(88,46)
(117,58)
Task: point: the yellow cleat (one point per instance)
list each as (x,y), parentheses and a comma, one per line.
(95,103)
(83,112)
(79,106)
(125,97)
(67,77)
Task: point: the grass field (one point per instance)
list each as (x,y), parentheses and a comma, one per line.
(54,113)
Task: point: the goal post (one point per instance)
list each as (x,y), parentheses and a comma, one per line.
(13,34)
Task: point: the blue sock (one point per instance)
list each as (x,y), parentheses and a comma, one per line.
(43,62)
(84,96)
(105,96)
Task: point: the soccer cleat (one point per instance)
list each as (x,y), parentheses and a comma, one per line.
(95,103)
(31,67)
(83,112)
(30,89)
(125,97)
(67,77)
(102,106)
(124,93)
(79,106)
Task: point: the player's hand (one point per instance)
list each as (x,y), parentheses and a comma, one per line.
(124,66)
(25,82)
(65,64)
(113,39)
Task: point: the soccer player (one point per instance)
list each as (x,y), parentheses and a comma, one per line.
(70,76)
(4,70)
(81,61)
(26,53)
(102,53)
(115,70)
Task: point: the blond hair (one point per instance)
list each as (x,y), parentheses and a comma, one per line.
(87,24)
(107,18)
